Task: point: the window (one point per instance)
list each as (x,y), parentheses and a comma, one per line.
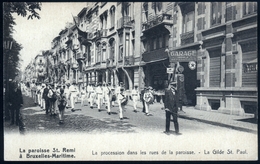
(121,51)
(214,74)
(216,14)
(249,8)
(112,49)
(145,13)
(103,52)
(188,22)
(112,16)
(99,52)
(161,42)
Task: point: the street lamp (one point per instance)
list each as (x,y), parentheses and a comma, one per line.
(7,47)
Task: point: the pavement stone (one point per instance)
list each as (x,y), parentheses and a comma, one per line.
(243,123)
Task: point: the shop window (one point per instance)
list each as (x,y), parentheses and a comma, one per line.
(216,14)
(249,8)
(188,22)
(249,61)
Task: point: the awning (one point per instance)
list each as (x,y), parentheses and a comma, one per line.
(252,61)
(154,56)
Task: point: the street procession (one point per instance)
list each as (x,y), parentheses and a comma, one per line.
(149,62)
(54,99)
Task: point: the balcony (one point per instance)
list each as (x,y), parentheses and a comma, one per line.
(101,33)
(124,22)
(187,38)
(157,21)
(80,56)
(155,55)
(74,65)
(129,60)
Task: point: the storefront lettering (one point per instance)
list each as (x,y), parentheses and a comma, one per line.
(252,67)
(184,56)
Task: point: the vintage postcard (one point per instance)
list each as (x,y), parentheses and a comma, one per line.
(130,81)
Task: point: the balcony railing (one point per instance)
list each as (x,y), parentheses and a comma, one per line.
(124,22)
(157,20)
(101,33)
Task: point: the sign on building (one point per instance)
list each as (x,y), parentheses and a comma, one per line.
(170,70)
(182,55)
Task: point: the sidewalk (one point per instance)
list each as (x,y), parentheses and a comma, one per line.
(245,123)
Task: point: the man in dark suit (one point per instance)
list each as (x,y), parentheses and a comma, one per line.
(46,99)
(171,105)
(15,101)
(142,98)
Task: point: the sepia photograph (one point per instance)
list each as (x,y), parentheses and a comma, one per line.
(130,81)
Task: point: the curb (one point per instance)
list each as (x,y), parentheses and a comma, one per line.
(219,124)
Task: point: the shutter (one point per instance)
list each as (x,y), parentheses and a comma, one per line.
(214,77)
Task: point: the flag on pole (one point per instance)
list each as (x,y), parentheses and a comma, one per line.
(80,32)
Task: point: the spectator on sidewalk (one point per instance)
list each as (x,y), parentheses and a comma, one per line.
(42,101)
(38,94)
(15,102)
(171,105)
(33,92)
(134,95)
(46,99)
(62,102)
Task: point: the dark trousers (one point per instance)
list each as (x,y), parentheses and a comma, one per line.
(15,111)
(143,106)
(175,121)
(47,105)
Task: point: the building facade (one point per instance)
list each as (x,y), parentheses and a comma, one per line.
(213,46)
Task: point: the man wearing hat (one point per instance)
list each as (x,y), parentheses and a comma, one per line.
(38,94)
(171,105)
(135,94)
(73,92)
(15,102)
(107,96)
(67,92)
(92,95)
(99,93)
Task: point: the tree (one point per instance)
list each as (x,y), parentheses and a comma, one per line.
(21,8)
(12,60)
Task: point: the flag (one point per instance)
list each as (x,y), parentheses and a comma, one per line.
(80,32)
